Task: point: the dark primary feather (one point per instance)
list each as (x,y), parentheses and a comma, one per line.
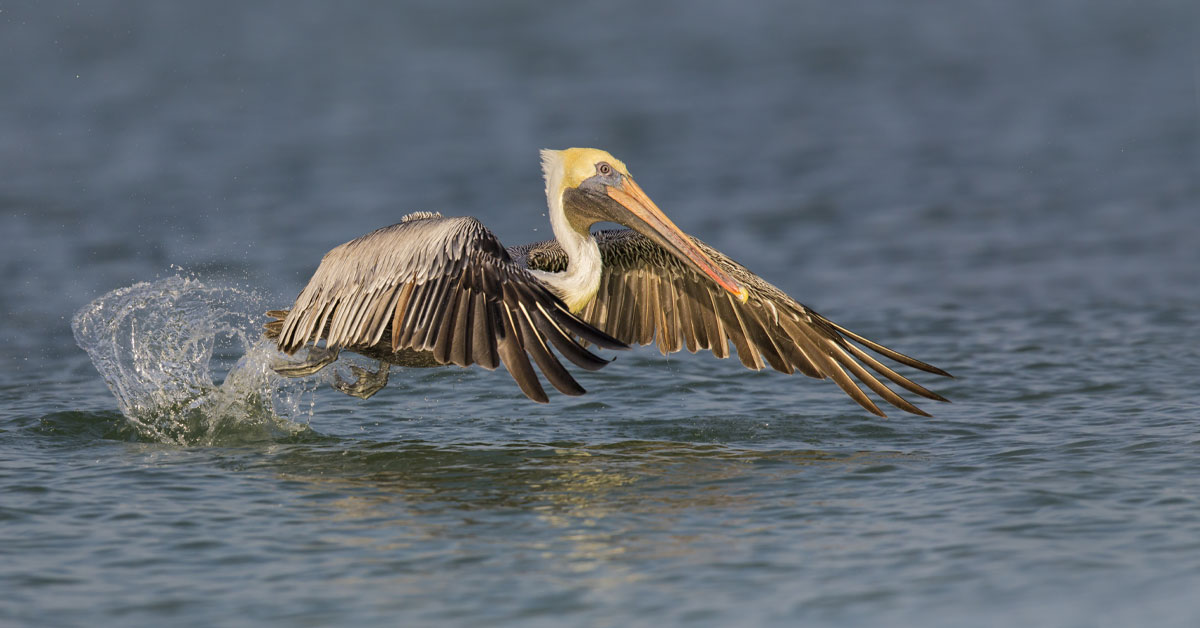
(445,289)
(647,295)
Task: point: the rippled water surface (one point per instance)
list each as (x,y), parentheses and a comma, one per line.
(1009,191)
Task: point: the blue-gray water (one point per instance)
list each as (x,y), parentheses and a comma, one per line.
(1008,190)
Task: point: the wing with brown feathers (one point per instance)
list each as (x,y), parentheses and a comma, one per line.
(646,294)
(444,286)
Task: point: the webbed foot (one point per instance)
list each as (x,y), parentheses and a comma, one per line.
(318,358)
(368,382)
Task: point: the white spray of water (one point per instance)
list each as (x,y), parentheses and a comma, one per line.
(188,364)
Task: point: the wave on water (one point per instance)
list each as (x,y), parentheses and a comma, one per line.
(188,364)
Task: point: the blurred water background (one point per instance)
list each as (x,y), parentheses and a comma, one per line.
(1008,190)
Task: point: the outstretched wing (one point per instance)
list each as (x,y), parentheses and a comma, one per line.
(446,286)
(647,294)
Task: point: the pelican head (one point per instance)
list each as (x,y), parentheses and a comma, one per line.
(588,185)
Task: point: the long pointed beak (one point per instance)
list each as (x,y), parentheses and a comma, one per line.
(660,228)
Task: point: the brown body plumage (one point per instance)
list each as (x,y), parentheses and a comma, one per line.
(433,290)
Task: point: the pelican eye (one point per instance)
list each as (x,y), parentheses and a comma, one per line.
(604,169)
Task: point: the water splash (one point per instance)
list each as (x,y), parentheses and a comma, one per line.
(188,364)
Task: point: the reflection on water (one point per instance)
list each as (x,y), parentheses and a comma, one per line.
(611,508)
(459,476)
(563,478)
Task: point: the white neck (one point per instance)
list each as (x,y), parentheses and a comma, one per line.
(579,282)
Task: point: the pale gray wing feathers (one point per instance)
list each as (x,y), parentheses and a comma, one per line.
(447,286)
(648,295)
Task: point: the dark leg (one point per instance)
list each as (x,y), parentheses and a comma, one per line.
(318,358)
(367,384)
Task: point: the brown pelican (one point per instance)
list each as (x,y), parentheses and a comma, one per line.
(433,290)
